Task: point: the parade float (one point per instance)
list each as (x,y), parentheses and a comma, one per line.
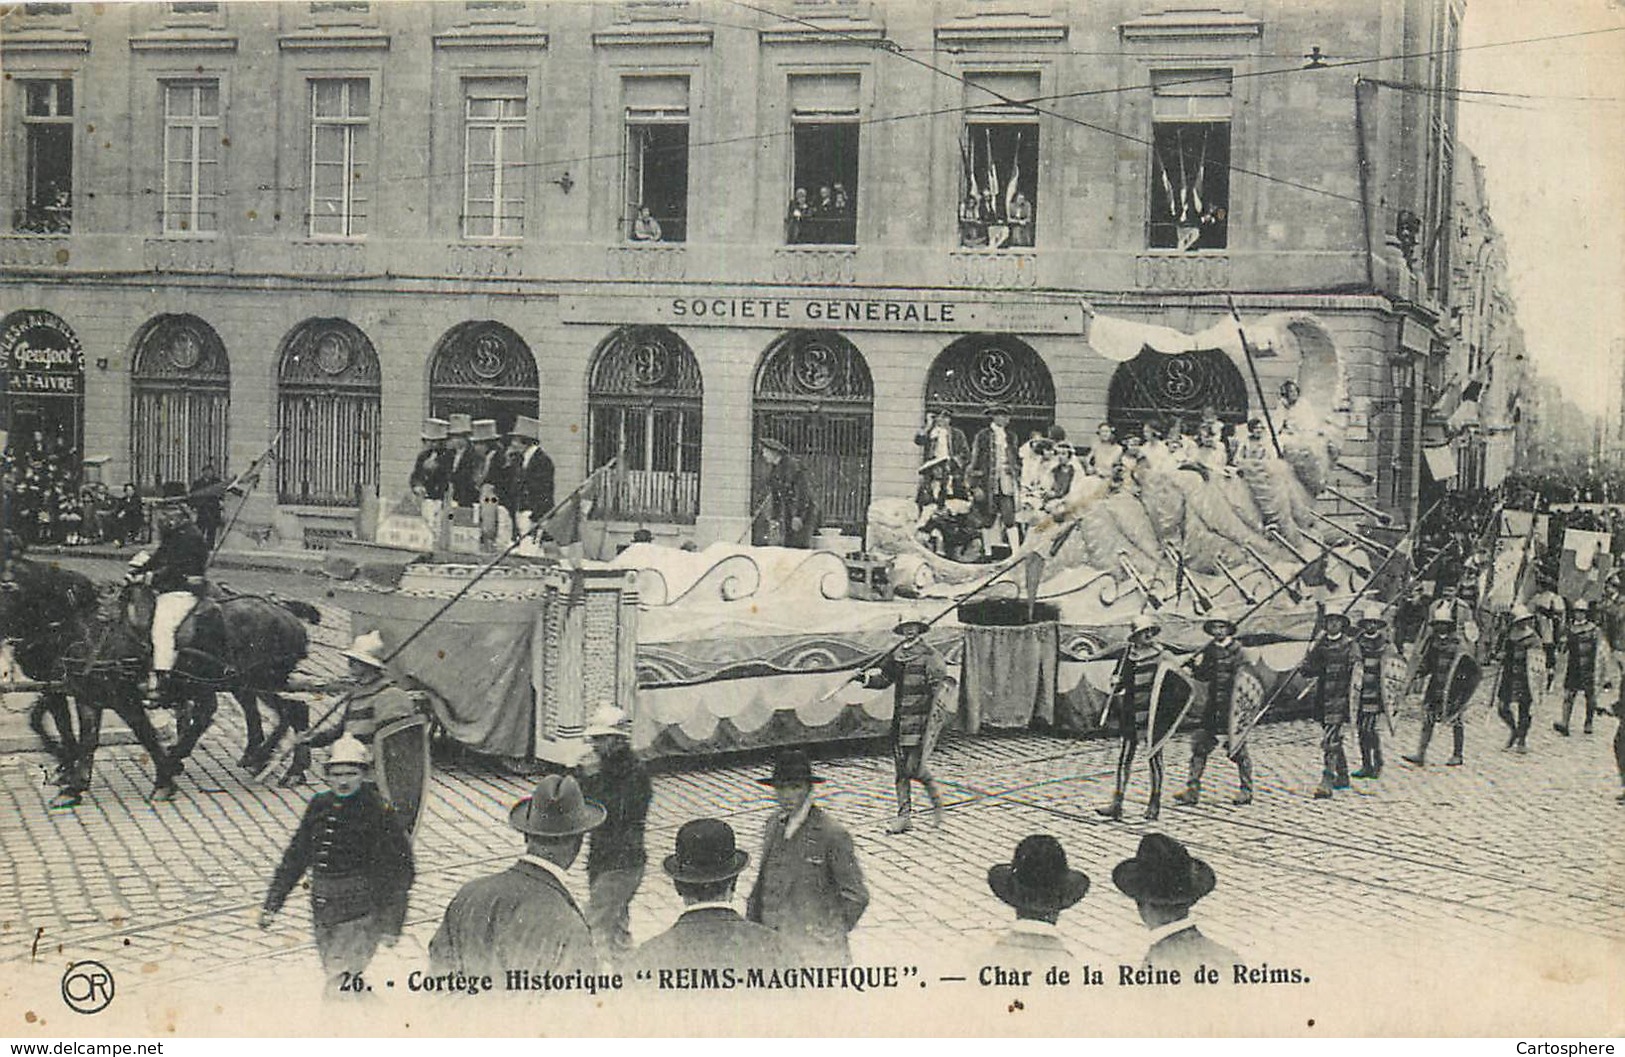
(736,647)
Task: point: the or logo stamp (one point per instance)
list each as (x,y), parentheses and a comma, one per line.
(87,987)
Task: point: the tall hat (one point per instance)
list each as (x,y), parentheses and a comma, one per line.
(1163,871)
(1037,876)
(484,429)
(435,428)
(368,649)
(706,853)
(556,809)
(793,767)
(527,427)
(349,751)
(609,722)
(460,425)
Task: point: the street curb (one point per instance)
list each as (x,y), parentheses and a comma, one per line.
(257,561)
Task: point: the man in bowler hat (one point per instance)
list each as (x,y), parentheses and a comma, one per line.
(359,859)
(709,932)
(524,918)
(809,887)
(918,677)
(1165,881)
(1039,884)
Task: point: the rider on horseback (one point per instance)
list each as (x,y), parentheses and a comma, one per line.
(175,572)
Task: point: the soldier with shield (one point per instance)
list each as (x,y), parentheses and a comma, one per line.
(1522,676)
(920,680)
(1136,687)
(1219,665)
(1581,677)
(1377,661)
(1331,663)
(1452,676)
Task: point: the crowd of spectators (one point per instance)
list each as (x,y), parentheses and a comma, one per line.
(47,501)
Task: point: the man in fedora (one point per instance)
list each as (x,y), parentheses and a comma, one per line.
(919,679)
(709,932)
(1330,663)
(809,887)
(1165,881)
(791,503)
(1039,884)
(359,859)
(1217,665)
(1130,709)
(994,475)
(530,486)
(524,918)
(613,776)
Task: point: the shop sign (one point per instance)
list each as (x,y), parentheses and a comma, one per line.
(40,355)
(826,313)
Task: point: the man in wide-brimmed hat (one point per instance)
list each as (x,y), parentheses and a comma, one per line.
(379,697)
(1330,664)
(1039,884)
(1520,681)
(1129,708)
(356,851)
(1439,660)
(1217,665)
(790,500)
(1371,689)
(1165,881)
(994,474)
(709,932)
(920,681)
(809,887)
(524,918)
(612,775)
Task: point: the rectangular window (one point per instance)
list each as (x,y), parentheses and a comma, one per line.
(194,7)
(998,147)
(340,7)
(1190,160)
(46,206)
(494,159)
(46,9)
(656,208)
(340,117)
(824,169)
(191,157)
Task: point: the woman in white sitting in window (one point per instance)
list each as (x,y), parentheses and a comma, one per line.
(645,228)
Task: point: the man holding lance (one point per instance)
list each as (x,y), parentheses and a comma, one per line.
(919,678)
(1439,659)
(1520,682)
(1331,664)
(1217,666)
(1131,695)
(1371,692)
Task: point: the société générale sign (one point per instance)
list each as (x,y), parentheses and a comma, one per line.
(785,312)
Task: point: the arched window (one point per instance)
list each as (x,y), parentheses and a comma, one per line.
(644,399)
(982,369)
(180,403)
(1154,386)
(484,370)
(328,397)
(814,393)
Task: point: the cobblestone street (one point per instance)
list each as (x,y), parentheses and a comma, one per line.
(1505,850)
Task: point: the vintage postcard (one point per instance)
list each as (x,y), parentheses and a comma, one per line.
(812,517)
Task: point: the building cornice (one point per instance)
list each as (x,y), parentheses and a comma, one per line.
(184,40)
(654,34)
(492,37)
(335,40)
(839,30)
(1208,23)
(973,30)
(44,41)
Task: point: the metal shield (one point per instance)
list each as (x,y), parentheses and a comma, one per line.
(402,767)
(1171,697)
(1465,675)
(1246,705)
(1537,673)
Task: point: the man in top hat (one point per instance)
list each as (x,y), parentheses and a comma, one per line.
(378,698)
(1165,881)
(614,777)
(1518,686)
(1039,884)
(462,461)
(809,887)
(1581,675)
(1130,709)
(530,483)
(524,918)
(919,680)
(944,449)
(1217,666)
(790,498)
(1331,663)
(175,573)
(1439,659)
(994,475)
(709,933)
(428,479)
(360,863)
(1371,691)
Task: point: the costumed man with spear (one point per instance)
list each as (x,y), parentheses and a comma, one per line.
(1217,665)
(1581,676)
(1132,685)
(1372,693)
(1521,656)
(1440,658)
(1331,665)
(920,681)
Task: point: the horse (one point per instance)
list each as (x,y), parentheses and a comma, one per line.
(42,626)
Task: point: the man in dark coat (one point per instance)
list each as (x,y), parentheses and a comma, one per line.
(1130,709)
(1039,884)
(809,887)
(1331,663)
(614,777)
(463,463)
(530,481)
(1371,689)
(1217,666)
(1581,676)
(1165,881)
(524,918)
(709,933)
(790,499)
(360,864)
(946,451)
(918,678)
(429,472)
(175,573)
(995,473)
(206,499)
(1439,660)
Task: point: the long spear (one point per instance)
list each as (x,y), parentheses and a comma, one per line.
(1247,352)
(251,476)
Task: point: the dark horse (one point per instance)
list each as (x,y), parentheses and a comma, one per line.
(242,644)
